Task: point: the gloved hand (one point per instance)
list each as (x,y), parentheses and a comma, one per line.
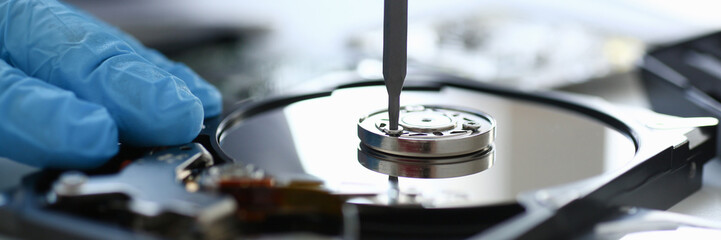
(72,87)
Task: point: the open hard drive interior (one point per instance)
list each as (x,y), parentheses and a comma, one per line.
(468,155)
(270,169)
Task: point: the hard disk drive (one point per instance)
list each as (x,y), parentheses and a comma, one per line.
(470,160)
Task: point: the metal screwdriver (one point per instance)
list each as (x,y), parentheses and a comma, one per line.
(395,41)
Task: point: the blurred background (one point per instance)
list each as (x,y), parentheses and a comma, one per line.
(255,48)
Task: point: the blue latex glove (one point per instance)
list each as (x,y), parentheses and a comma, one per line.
(72,87)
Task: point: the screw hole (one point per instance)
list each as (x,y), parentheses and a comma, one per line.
(456,132)
(438,133)
(418,134)
(426,120)
(382,125)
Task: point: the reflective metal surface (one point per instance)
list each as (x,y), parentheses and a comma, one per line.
(153,185)
(435,142)
(429,131)
(536,146)
(419,167)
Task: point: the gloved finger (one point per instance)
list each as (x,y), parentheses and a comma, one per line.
(45,126)
(207,93)
(51,42)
